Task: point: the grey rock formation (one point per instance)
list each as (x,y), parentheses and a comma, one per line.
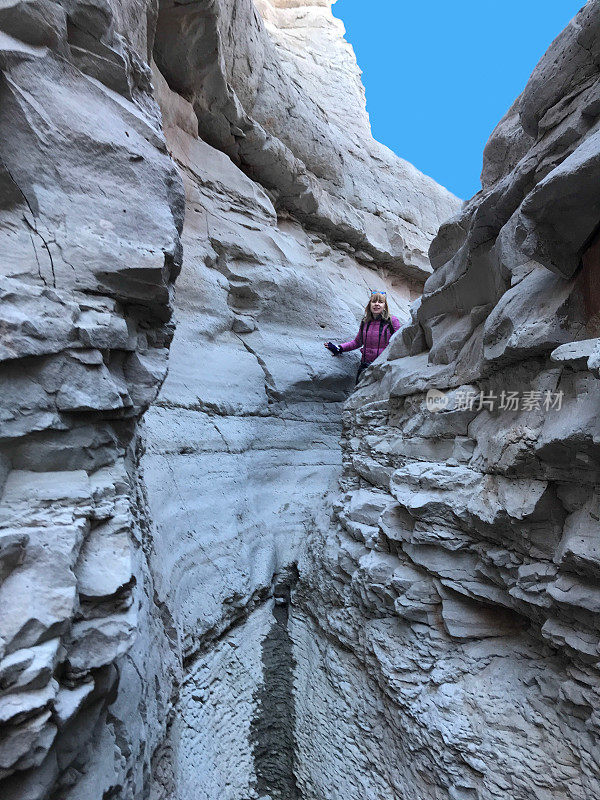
(91,210)
(141,564)
(240,449)
(279,92)
(200,594)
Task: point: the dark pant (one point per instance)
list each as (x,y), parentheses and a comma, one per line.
(361,369)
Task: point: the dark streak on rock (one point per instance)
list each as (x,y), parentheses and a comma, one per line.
(272,730)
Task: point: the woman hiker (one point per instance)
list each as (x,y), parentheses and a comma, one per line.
(376,329)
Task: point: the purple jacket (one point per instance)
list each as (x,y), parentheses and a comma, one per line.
(373,337)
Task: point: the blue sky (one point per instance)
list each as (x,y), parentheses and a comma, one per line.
(439,75)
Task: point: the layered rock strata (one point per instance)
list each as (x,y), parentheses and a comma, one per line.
(243,441)
(91,209)
(276,88)
(449,620)
(145,574)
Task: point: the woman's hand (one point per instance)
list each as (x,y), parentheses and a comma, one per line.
(333,348)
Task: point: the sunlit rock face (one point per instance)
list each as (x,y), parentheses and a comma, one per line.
(446,625)
(146,570)
(277,88)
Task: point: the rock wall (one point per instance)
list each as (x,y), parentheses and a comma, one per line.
(445,624)
(146,568)
(91,209)
(276,88)
(243,442)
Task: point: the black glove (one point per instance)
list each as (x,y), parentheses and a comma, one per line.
(333,348)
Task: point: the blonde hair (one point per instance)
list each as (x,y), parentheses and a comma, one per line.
(382,298)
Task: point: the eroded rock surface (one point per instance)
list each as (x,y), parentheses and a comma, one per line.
(181,612)
(146,572)
(276,88)
(452,609)
(243,441)
(91,210)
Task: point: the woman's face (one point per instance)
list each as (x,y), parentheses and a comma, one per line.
(376,306)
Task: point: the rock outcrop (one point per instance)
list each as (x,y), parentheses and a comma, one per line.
(91,210)
(243,441)
(275,87)
(446,628)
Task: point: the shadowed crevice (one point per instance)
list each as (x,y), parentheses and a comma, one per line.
(272,730)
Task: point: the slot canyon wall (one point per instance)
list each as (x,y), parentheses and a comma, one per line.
(91,213)
(190,605)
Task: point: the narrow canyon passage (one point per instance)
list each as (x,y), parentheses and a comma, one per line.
(225,572)
(239,456)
